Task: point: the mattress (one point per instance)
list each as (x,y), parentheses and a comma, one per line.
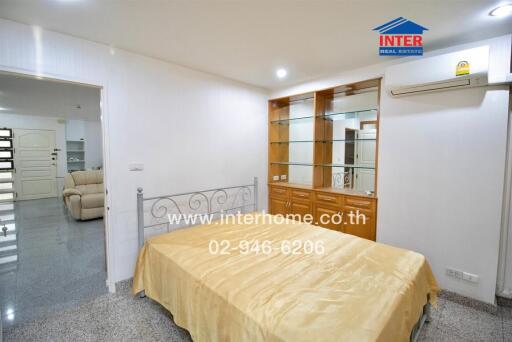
(225,281)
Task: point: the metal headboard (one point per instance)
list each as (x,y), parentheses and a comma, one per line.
(213,202)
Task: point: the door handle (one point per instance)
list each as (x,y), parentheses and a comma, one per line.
(4,229)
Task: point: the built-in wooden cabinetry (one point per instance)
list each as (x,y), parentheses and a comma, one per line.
(323,157)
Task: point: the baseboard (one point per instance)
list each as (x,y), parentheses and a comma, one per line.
(503,301)
(124,286)
(469,302)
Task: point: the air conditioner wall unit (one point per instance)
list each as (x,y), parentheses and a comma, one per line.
(456,70)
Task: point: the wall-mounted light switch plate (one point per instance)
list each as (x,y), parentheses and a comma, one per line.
(136,167)
(275,178)
(283,177)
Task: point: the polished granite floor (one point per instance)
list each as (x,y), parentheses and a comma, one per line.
(122,317)
(58,292)
(61,263)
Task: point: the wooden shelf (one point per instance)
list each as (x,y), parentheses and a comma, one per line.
(334,132)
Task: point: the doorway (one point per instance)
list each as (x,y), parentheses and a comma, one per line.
(53,250)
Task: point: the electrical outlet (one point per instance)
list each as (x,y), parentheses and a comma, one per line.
(275,178)
(473,278)
(283,177)
(454,273)
(470,277)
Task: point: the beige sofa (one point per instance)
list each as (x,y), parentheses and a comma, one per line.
(84,195)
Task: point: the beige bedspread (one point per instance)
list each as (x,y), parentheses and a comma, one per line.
(358,290)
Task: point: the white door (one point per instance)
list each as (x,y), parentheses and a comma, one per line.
(365,157)
(35,175)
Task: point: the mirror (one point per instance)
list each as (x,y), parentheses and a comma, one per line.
(351,138)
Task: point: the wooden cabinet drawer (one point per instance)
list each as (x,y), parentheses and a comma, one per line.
(301,195)
(359,202)
(278,192)
(361,223)
(328,198)
(327,212)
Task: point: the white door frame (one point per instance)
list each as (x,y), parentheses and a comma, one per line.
(104,118)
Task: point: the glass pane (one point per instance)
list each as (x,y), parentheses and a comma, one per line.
(6,217)
(6,143)
(300,174)
(351,127)
(11,228)
(5,175)
(6,154)
(8,196)
(5,133)
(6,206)
(301,130)
(6,186)
(6,165)
(11,238)
(359,179)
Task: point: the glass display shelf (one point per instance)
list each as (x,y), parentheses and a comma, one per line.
(292,120)
(291,141)
(352,166)
(292,163)
(346,115)
(348,166)
(348,141)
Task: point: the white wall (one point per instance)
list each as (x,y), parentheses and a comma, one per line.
(93,148)
(441,170)
(191,130)
(39,122)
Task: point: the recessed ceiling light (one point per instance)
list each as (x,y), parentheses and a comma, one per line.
(501,11)
(281,73)
(2,108)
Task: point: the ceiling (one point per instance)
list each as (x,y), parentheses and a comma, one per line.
(248,40)
(31,96)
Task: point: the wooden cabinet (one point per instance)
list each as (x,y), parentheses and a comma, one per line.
(350,214)
(325,216)
(278,206)
(290,201)
(323,156)
(360,222)
(300,208)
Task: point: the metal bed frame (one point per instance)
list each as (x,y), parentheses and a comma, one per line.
(212,202)
(217,201)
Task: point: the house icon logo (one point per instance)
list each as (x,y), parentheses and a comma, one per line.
(400,37)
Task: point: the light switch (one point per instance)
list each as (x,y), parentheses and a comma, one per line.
(135,167)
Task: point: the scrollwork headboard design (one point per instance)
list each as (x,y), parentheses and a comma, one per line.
(153,212)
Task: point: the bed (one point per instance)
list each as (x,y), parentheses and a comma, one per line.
(351,290)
